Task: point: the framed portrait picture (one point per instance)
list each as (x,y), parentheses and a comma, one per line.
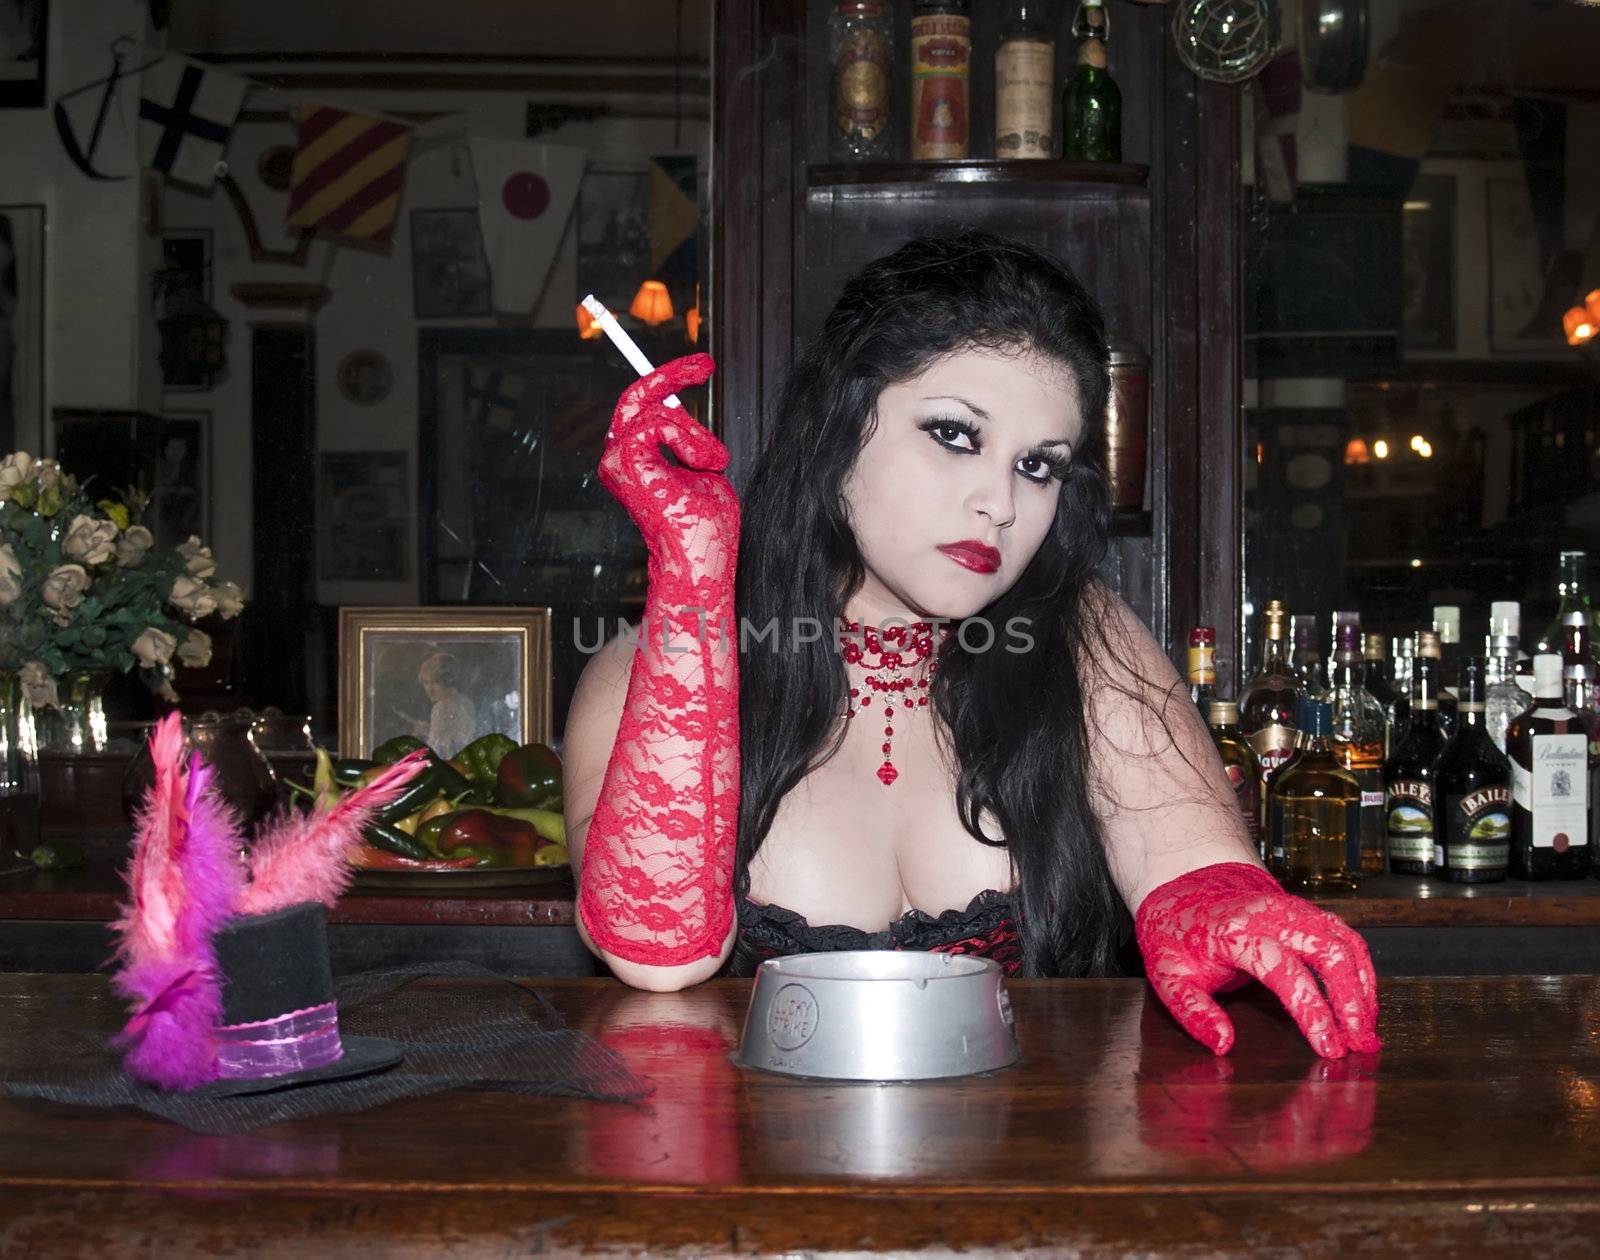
(444,675)
(449,271)
(364,377)
(1516,277)
(180,479)
(364,516)
(21,326)
(24,32)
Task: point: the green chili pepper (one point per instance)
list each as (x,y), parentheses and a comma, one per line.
(382,836)
(480,760)
(391,750)
(348,771)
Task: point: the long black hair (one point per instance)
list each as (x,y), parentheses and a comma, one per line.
(1017,719)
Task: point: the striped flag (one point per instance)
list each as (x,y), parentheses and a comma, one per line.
(348,172)
(186,114)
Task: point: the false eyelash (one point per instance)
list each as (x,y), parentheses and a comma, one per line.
(1057,464)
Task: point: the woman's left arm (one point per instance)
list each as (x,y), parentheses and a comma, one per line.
(1207,916)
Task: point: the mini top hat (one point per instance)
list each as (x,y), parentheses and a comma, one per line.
(229,962)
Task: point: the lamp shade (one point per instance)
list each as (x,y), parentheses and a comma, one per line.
(1579,326)
(588,329)
(1592,305)
(651,303)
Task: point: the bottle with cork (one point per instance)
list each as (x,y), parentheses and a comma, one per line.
(1024,82)
(1091,103)
(861,61)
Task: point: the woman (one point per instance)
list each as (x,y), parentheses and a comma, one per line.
(937,460)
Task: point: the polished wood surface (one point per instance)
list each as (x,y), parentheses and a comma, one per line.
(1475,1131)
(92,892)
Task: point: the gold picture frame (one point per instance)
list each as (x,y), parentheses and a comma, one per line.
(437,673)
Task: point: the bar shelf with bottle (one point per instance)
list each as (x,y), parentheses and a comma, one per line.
(1065,177)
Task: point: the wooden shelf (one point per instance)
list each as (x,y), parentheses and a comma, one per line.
(1097,178)
(91,893)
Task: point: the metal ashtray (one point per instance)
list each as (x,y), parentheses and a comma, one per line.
(878,1015)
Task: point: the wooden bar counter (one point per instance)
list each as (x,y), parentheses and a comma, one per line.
(1475,1131)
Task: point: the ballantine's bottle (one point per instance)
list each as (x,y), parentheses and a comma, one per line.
(1408,774)
(1549,750)
(1266,706)
(1473,786)
(1240,764)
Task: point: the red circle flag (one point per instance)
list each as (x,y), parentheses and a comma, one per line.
(526,195)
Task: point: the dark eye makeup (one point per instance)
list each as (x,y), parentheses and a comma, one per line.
(1054,466)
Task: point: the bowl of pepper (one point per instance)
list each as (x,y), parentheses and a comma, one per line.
(489,816)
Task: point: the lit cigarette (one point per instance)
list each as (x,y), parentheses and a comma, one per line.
(623,342)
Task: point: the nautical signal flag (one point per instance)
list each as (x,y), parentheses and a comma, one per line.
(526,192)
(186,114)
(348,173)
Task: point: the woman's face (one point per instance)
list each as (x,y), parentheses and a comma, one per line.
(969,452)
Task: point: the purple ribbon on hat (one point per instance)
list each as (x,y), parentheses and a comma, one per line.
(294,1042)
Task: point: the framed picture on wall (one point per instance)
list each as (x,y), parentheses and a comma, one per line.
(364,515)
(21,326)
(449,271)
(1516,275)
(180,479)
(444,675)
(168,457)
(24,34)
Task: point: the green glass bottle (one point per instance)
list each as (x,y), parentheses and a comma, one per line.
(1091,103)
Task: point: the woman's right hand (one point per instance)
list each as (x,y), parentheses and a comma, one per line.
(689,516)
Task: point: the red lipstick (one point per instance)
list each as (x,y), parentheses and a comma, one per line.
(977,556)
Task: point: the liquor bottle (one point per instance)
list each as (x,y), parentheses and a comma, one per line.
(1091,103)
(1358,741)
(1200,665)
(1472,784)
(1306,662)
(1240,764)
(941,68)
(1379,683)
(1504,698)
(1549,751)
(1266,705)
(1341,618)
(1576,642)
(1408,774)
(1315,807)
(1572,596)
(1024,83)
(1405,655)
(1447,625)
(1579,693)
(861,59)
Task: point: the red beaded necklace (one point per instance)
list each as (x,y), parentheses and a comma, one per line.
(886,673)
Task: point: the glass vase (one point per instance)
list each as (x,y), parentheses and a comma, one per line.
(19,770)
(79,724)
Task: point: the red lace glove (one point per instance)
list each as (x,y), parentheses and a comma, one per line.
(1220,926)
(657,880)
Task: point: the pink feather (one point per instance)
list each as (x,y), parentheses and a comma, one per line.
(307,857)
(186,863)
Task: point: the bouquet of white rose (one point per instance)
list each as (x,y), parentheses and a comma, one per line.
(84,587)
